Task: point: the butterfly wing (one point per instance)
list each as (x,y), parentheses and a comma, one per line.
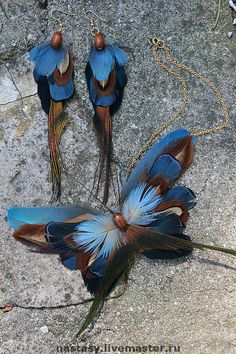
(163,164)
(118,264)
(19,216)
(145,239)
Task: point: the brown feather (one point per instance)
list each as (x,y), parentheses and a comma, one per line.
(164,206)
(146,239)
(103,125)
(159,183)
(78,219)
(183,151)
(109,88)
(65,77)
(31,234)
(57,121)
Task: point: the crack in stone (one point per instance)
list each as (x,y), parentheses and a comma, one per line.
(12,78)
(26,307)
(18,99)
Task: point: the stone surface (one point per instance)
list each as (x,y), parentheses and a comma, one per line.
(9,92)
(188,303)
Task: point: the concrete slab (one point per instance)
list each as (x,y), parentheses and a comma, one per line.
(187,303)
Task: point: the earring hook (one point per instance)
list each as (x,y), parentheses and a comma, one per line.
(91,12)
(61,24)
(93,27)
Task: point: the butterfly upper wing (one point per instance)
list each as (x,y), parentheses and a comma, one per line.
(163,163)
(19,216)
(58,230)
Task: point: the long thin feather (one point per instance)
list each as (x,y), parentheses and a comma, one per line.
(103,126)
(146,239)
(57,122)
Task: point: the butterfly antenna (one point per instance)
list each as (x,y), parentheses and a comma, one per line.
(96,198)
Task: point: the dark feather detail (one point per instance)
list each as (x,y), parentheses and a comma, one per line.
(119,264)
(121,81)
(57,122)
(91,281)
(162,254)
(146,239)
(44,92)
(93,274)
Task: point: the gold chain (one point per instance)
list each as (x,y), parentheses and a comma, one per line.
(157,44)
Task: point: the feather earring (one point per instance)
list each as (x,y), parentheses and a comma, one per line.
(53,73)
(151,219)
(106,79)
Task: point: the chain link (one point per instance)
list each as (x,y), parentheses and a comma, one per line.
(157,44)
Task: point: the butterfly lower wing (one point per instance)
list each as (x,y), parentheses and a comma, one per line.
(118,264)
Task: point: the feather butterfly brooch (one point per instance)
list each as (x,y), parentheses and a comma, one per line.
(150,219)
(53,73)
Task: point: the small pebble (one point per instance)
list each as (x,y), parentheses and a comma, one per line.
(44,329)
(229,34)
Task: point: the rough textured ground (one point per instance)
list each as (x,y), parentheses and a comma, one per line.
(188,303)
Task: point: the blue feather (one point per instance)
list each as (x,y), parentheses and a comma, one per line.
(46,58)
(167,223)
(148,159)
(101,62)
(121,76)
(166,166)
(139,205)
(98,234)
(70,263)
(98,266)
(181,193)
(60,93)
(21,216)
(120,55)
